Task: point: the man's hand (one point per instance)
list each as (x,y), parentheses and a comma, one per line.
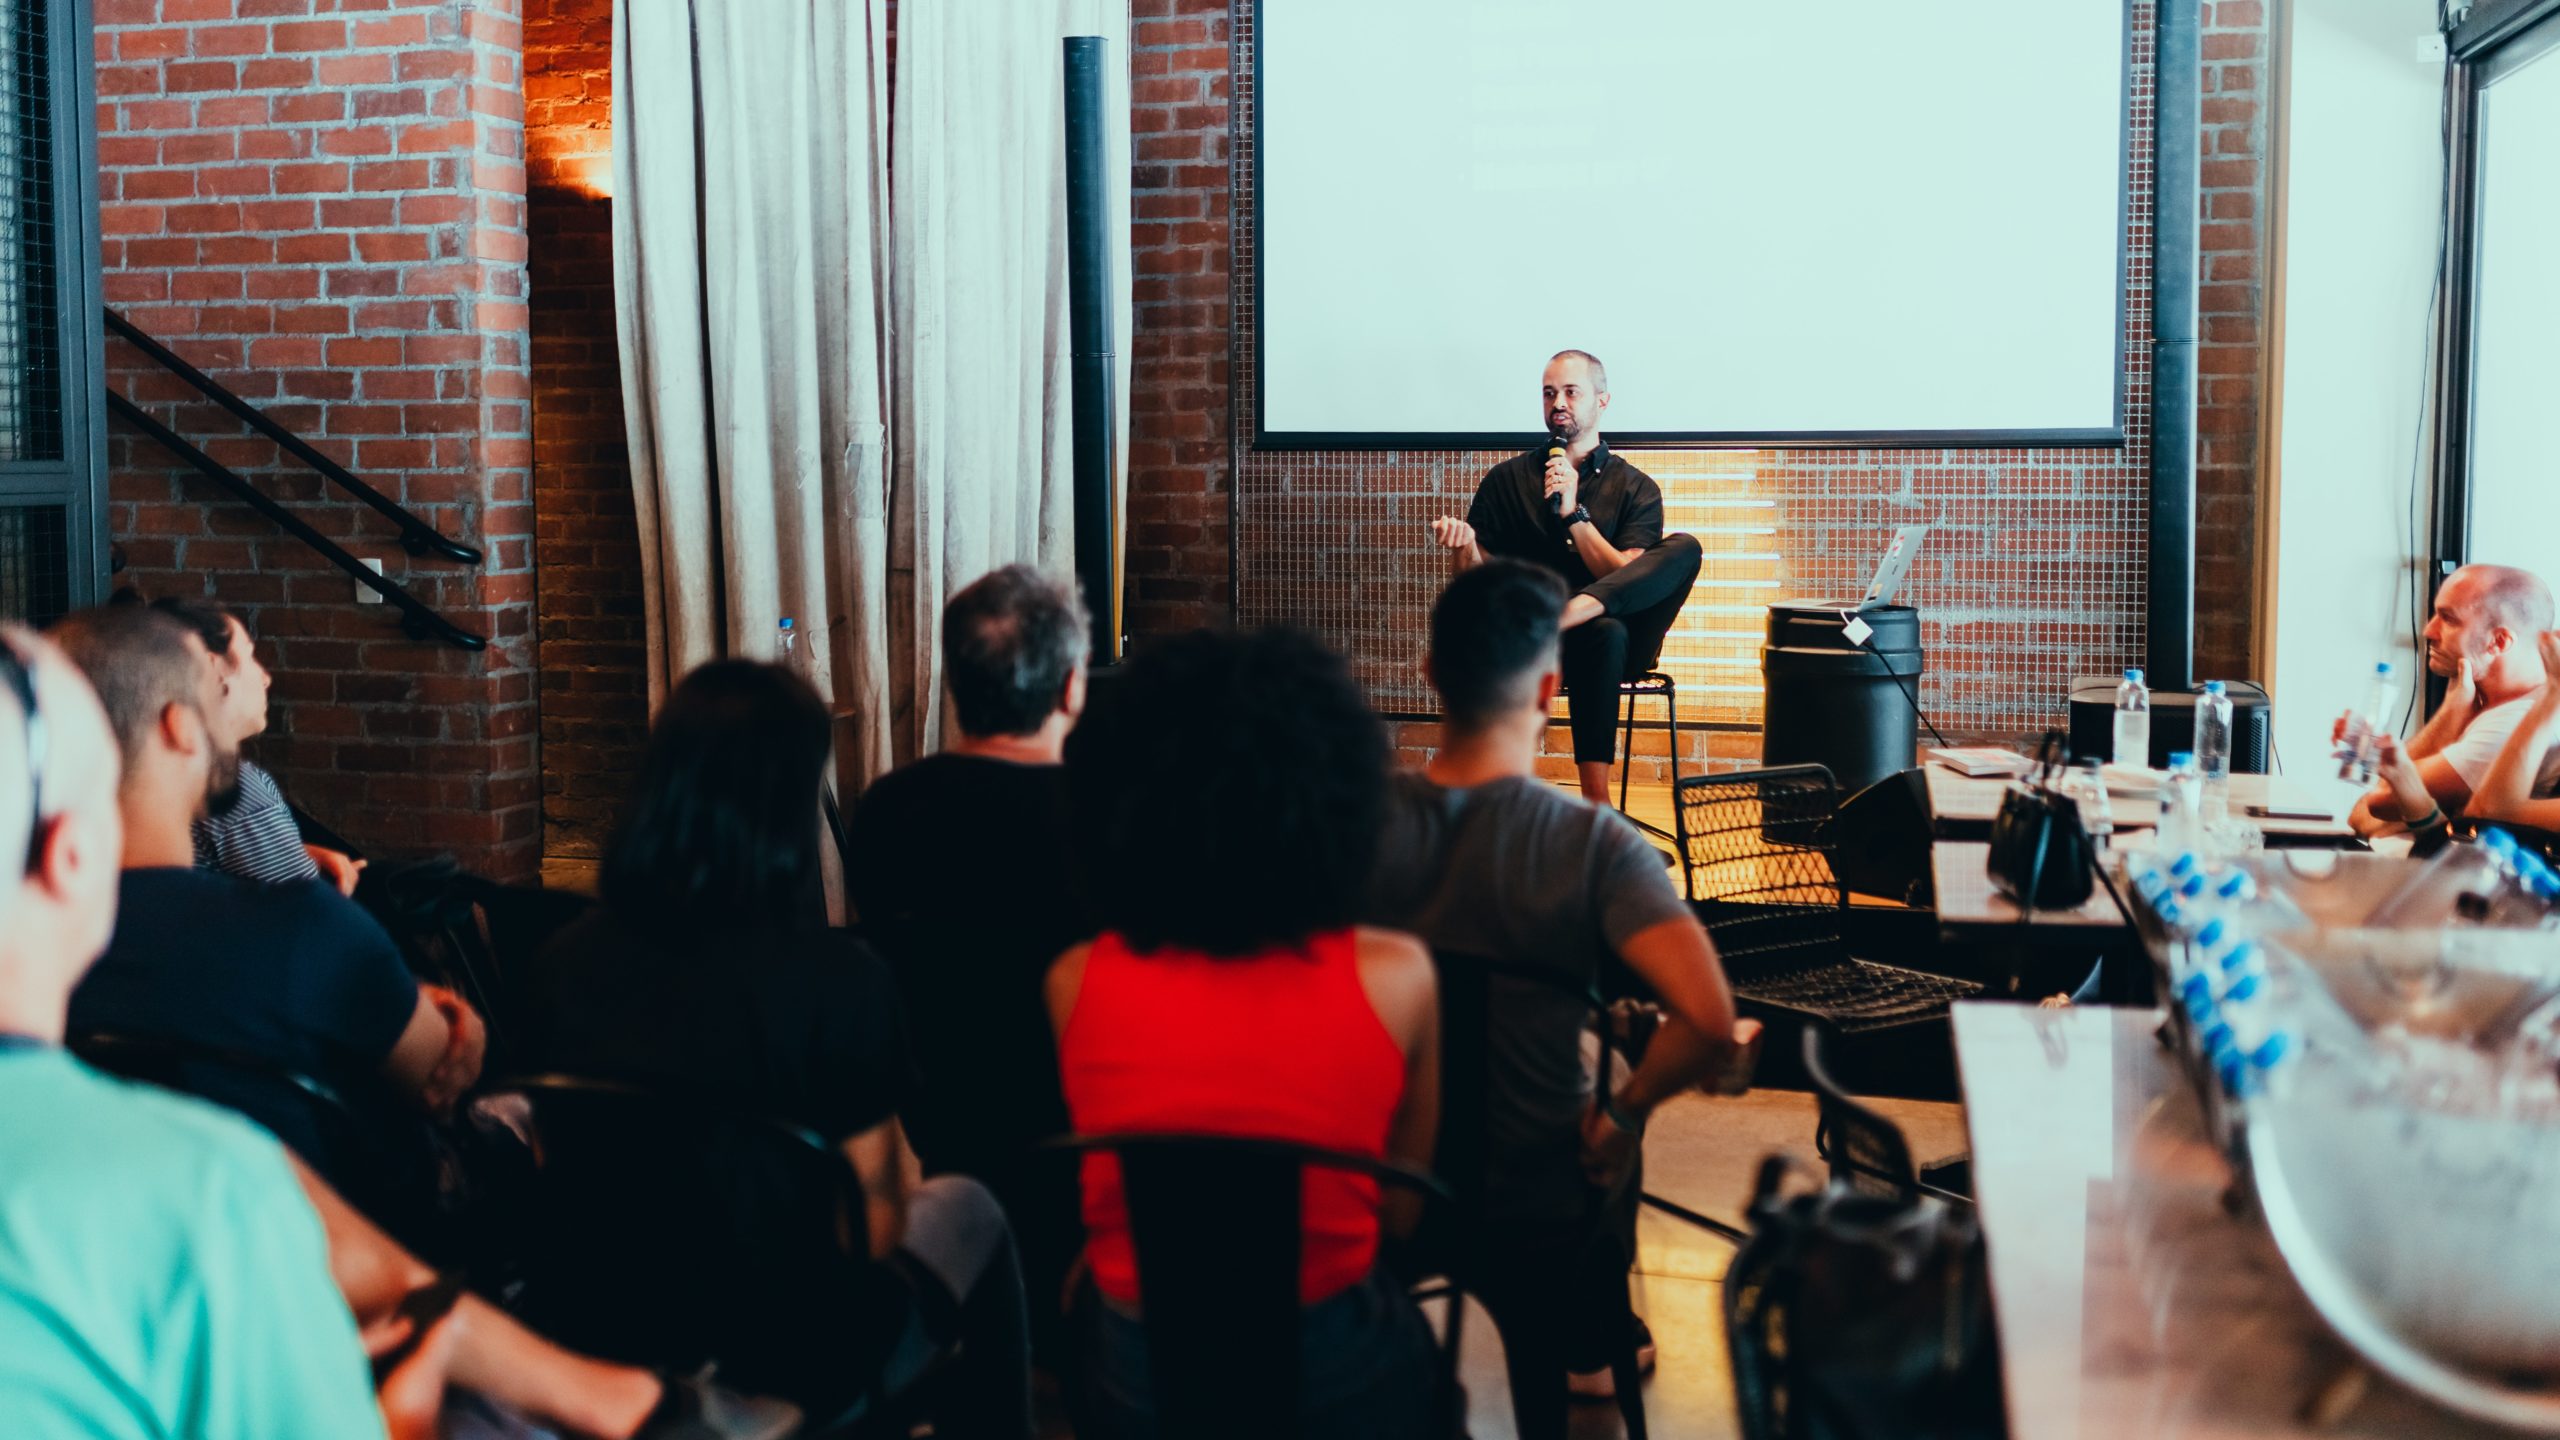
(1451,533)
(2549,644)
(2393,767)
(1608,1152)
(336,866)
(466,1046)
(1563,480)
(2461,695)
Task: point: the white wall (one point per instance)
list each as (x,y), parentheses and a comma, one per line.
(2363,187)
(2515,488)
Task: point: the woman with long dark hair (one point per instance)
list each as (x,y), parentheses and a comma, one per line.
(1232,788)
(709,970)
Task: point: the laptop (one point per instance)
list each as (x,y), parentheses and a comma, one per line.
(1895,565)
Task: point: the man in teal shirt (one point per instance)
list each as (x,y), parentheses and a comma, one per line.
(161,1273)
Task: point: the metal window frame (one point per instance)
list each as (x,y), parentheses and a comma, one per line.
(2492,39)
(77,480)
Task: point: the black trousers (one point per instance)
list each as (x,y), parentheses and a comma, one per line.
(1640,599)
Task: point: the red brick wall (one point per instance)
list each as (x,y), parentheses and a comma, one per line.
(323,207)
(2036,571)
(589,616)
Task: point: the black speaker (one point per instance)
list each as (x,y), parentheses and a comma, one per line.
(1880,840)
(2173,723)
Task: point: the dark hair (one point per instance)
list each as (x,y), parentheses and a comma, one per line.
(722,829)
(211,622)
(1228,791)
(1010,639)
(1599,372)
(1492,632)
(139,660)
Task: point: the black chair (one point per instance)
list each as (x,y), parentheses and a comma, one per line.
(466,931)
(672,1231)
(1216,1224)
(1755,851)
(1651,682)
(1868,1153)
(374,1156)
(1524,1290)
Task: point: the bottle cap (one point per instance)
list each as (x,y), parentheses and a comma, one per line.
(2211,935)
(2199,1000)
(2181,757)
(2170,914)
(2238,885)
(2272,1050)
(2184,865)
(2497,841)
(2213,687)
(2134,674)
(2240,956)
(2382,667)
(2195,988)
(2193,889)
(2242,990)
(786,622)
(2234,1070)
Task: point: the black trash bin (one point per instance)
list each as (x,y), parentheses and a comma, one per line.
(1833,703)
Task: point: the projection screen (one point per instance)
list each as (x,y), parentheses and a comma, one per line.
(1864,222)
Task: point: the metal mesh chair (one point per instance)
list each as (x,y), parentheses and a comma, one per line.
(1755,851)
(1651,682)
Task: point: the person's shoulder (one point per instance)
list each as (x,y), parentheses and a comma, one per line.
(133,1135)
(1636,479)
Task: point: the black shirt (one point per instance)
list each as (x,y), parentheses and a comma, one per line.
(1511,518)
(962,874)
(296,975)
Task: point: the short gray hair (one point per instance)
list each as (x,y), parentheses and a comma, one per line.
(1599,372)
(2514,599)
(1010,639)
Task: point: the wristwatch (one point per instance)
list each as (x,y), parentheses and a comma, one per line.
(1609,1110)
(1581,516)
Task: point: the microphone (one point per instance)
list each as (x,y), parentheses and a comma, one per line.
(1555,449)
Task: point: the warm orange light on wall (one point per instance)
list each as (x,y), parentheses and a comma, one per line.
(590,175)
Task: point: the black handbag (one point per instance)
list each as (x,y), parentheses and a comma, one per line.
(1854,1317)
(2041,855)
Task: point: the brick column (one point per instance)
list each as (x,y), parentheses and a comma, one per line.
(326,212)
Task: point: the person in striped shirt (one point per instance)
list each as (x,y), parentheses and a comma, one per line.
(249,830)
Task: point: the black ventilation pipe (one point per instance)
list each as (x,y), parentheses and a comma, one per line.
(2177,82)
(1093,347)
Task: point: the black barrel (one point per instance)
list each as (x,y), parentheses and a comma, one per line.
(1836,704)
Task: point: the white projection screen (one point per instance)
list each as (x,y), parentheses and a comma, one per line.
(1868,222)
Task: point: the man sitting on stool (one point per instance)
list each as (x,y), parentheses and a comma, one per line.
(1575,508)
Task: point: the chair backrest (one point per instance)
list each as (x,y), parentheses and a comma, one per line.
(374,1158)
(1867,1152)
(668,1230)
(1215,1221)
(1472,988)
(1755,856)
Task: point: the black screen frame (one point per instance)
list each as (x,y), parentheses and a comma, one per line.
(2112,436)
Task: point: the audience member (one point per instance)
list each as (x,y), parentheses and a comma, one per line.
(962,873)
(160,1271)
(294,975)
(2522,786)
(2481,640)
(1484,860)
(699,971)
(1231,792)
(248,830)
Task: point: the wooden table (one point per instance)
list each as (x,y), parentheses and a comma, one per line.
(1971,908)
(2131,1304)
(1962,807)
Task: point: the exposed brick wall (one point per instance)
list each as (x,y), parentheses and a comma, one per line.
(2034,574)
(2232,310)
(323,206)
(593,645)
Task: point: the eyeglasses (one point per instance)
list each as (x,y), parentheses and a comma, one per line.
(22,683)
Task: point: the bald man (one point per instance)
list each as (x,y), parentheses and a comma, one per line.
(1596,521)
(2483,639)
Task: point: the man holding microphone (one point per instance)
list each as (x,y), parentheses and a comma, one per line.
(1577,509)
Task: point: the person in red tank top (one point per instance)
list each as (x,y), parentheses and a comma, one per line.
(1233,787)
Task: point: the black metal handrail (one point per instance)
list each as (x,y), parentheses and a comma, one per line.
(421,621)
(416,535)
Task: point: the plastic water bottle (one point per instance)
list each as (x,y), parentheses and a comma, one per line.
(2181,806)
(2213,753)
(790,653)
(2362,729)
(2133,721)
(2461,885)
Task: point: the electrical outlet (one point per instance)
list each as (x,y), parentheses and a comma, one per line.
(2431,50)
(366,594)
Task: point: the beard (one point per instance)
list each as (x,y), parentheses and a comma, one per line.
(222,785)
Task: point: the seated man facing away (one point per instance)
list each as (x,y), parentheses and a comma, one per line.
(2481,639)
(963,875)
(160,1272)
(249,830)
(293,975)
(1482,859)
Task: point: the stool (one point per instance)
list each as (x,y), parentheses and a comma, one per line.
(1651,682)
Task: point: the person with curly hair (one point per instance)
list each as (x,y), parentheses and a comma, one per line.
(1230,791)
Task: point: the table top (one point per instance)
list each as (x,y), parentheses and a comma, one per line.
(2131,1303)
(1965,800)
(1968,901)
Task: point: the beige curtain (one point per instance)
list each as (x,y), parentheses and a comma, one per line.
(980,344)
(750,222)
